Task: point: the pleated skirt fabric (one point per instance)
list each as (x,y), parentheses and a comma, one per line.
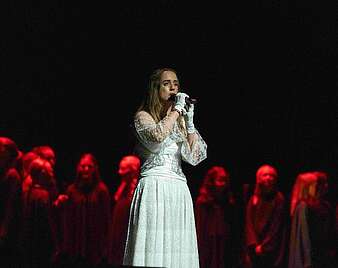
(161,230)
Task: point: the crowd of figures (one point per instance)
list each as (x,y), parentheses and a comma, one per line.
(42,225)
(85,224)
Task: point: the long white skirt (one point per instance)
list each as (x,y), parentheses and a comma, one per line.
(161,230)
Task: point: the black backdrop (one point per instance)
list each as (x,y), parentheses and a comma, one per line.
(264,73)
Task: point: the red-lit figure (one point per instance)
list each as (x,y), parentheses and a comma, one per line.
(45,152)
(312,223)
(216,220)
(87,216)
(266,222)
(10,203)
(39,229)
(129,171)
(27,159)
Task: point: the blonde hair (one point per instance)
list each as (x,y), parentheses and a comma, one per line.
(304,189)
(257,191)
(152,103)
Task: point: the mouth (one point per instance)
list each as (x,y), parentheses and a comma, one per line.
(172,97)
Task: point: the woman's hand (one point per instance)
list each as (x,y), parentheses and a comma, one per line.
(189,118)
(180,102)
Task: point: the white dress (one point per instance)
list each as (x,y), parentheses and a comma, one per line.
(161,231)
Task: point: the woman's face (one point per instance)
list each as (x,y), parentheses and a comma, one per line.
(169,85)
(125,167)
(267,178)
(86,169)
(221,180)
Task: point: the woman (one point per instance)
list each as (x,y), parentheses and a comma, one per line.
(161,230)
(10,203)
(129,171)
(39,227)
(217,220)
(87,216)
(44,152)
(312,223)
(265,222)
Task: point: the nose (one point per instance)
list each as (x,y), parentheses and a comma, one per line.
(173,87)
(269,178)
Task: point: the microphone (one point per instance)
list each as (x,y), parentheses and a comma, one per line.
(188,100)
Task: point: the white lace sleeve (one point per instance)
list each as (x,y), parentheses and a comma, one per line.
(195,153)
(150,133)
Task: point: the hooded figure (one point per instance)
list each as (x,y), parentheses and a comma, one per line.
(216,220)
(265,221)
(312,223)
(129,172)
(87,216)
(39,229)
(10,202)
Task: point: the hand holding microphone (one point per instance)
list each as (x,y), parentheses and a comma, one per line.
(185,105)
(188,100)
(179,101)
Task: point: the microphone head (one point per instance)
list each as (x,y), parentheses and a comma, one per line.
(190,100)
(187,99)
(172,97)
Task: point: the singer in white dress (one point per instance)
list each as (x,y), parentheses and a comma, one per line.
(161,230)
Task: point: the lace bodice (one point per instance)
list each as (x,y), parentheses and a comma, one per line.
(164,144)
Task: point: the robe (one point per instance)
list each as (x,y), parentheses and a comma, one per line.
(217,233)
(10,217)
(87,221)
(265,225)
(39,230)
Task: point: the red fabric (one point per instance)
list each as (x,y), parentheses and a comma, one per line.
(87,221)
(119,229)
(123,198)
(39,231)
(10,205)
(265,225)
(10,216)
(215,233)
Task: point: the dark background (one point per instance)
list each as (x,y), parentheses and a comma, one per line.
(264,74)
